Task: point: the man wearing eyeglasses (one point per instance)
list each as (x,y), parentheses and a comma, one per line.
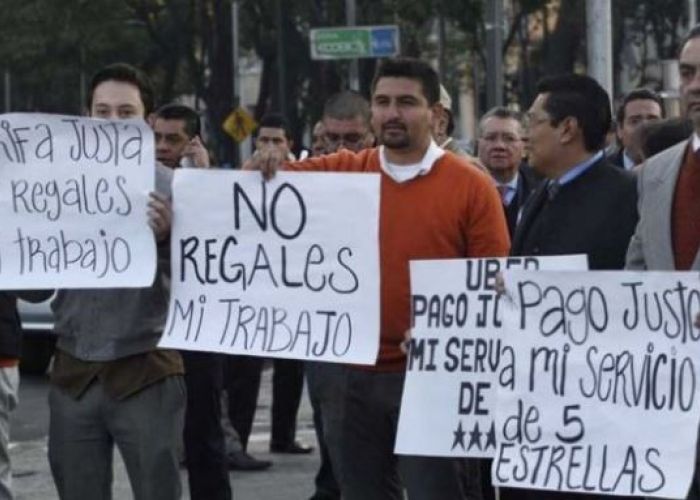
(345,125)
(345,121)
(501,148)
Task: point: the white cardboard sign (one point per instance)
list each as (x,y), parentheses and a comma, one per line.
(605,398)
(457,356)
(287,268)
(73,197)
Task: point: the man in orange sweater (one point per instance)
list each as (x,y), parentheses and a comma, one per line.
(433,205)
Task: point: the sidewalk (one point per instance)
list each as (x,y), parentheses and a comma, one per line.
(289,478)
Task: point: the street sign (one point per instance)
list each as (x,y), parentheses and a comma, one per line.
(239,124)
(354,42)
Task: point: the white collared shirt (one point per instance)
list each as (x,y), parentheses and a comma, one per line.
(511,189)
(627,162)
(695,143)
(404,173)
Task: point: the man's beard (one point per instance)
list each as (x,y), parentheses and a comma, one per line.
(392,139)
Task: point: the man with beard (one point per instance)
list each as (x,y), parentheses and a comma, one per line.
(433,204)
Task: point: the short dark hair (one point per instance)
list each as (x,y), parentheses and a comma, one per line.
(693,32)
(582,98)
(658,135)
(274,120)
(122,72)
(415,69)
(500,112)
(181,112)
(347,105)
(638,94)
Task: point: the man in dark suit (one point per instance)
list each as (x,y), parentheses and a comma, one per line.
(585,205)
(639,106)
(501,148)
(244,372)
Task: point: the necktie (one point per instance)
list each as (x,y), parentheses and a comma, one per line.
(503,191)
(552,189)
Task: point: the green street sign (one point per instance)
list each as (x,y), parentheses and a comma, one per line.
(354,42)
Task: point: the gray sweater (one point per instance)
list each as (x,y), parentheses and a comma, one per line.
(108,324)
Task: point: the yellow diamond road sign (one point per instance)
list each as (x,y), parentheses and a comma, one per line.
(239,124)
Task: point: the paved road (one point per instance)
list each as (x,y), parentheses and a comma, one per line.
(290,478)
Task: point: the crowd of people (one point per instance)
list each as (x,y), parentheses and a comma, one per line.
(543,183)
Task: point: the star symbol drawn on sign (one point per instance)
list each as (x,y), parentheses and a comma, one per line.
(475,437)
(459,436)
(491,437)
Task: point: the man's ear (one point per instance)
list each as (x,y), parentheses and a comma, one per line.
(570,130)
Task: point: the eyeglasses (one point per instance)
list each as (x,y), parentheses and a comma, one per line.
(351,139)
(532,121)
(505,138)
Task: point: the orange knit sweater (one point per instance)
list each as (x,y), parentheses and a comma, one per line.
(452,212)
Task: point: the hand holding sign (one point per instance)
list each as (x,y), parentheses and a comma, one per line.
(268,161)
(196,153)
(160,215)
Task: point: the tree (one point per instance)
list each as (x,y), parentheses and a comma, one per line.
(49,47)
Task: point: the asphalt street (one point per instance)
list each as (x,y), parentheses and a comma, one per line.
(289,478)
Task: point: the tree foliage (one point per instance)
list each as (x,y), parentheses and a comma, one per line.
(50,48)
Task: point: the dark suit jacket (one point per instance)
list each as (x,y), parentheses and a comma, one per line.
(528,181)
(595,214)
(617,159)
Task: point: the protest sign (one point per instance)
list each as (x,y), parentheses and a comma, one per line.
(457,357)
(73,202)
(287,268)
(605,392)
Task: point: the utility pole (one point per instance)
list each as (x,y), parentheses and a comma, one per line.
(281,60)
(351,20)
(692,13)
(442,59)
(236,86)
(8,93)
(494,53)
(236,74)
(599,42)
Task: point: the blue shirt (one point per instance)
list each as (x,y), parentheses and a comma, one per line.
(509,188)
(579,169)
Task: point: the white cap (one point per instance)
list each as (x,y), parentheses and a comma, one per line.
(445,98)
